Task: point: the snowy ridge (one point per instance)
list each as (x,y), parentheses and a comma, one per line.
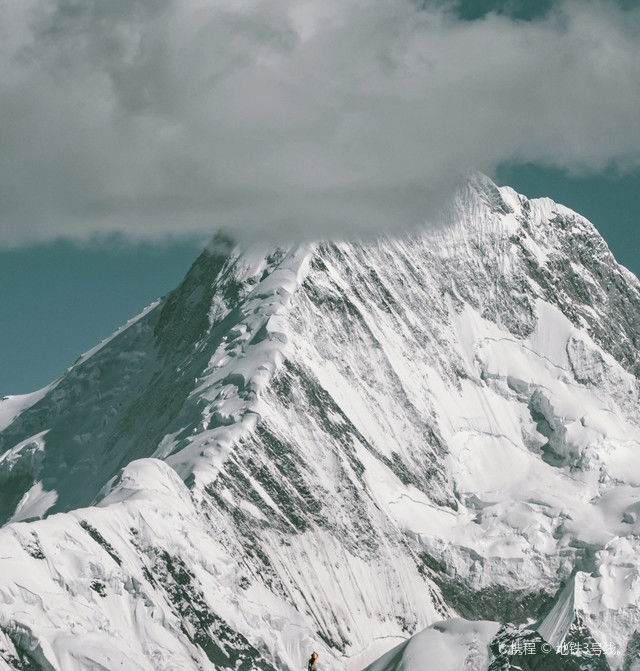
(336,446)
(143,599)
(242,364)
(12,406)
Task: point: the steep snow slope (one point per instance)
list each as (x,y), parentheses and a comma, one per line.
(368,438)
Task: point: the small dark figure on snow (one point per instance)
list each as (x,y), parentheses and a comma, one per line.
(311,665)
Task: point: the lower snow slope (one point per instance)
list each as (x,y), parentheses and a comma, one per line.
(452,645)
(333,447)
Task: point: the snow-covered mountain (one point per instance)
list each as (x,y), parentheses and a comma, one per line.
(336,446)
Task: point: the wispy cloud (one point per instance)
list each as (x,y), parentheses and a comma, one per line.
(293,118)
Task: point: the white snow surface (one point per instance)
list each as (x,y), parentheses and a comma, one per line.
(451,645)
(334,447)
(12,406)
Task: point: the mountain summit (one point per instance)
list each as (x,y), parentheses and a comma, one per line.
(335,446)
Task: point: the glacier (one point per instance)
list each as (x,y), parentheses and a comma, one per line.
(385,451)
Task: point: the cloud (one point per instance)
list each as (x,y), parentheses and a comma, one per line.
(280,119)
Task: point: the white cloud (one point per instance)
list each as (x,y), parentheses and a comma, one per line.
(293,118)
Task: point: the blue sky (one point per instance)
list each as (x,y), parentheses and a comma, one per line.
(122,151)
(60,299)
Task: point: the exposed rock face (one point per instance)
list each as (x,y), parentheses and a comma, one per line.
(332,447)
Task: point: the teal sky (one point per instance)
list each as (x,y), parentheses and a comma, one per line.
(69,172)
(519,9)
(60,299)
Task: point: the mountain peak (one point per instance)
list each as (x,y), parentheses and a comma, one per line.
(332,446)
